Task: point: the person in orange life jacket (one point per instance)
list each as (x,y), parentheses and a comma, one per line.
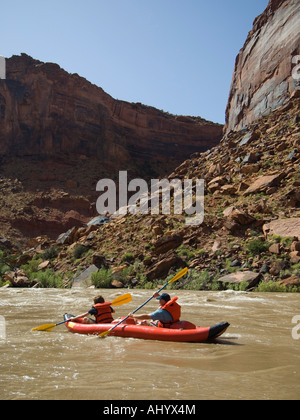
(168,313)
(101,310)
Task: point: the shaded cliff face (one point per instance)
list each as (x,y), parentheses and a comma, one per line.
(49,113)
(262,79)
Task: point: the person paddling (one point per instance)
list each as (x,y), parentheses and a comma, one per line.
(102,311)
(168,313)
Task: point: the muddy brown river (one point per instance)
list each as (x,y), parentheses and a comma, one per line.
(257,358)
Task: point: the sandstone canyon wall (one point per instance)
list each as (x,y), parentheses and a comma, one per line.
(262,79)
(60,134)
(49,113)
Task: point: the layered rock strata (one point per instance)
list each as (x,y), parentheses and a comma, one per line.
(49,113)
(265,68)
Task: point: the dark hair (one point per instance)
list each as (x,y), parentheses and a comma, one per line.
(98,299)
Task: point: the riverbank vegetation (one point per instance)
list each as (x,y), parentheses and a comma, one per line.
(131,276)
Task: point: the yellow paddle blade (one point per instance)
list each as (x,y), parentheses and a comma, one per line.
(104,334)
(121,300)
(180,274)
(45,327)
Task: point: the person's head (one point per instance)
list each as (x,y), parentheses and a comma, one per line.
(98,299)
(163,299)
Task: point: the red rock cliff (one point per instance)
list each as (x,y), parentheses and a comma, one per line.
(47,112)
(262,79)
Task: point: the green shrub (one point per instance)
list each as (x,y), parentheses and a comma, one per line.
(148,285)
(183,251)
(79,251)
(102,279)
(270,286)
(240,287)
(257,246)
(4,264)
(296,269)
(45,279)
(31,268)
(49,279)
(50,253)
(287,242)
(128,257)
(194,281)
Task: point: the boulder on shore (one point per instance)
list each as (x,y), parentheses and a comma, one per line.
(286,228)
(241,276)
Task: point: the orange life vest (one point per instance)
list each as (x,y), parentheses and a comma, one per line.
(104,312)
(174,309)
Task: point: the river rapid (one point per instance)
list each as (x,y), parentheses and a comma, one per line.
(257,358)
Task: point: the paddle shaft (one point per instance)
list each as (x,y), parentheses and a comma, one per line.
(140,307)
(63,322)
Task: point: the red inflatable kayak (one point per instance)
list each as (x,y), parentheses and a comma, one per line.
(183,331)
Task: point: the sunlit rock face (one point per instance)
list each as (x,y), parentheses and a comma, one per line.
(263,75)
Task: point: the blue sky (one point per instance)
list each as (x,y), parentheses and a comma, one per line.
(175,55)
